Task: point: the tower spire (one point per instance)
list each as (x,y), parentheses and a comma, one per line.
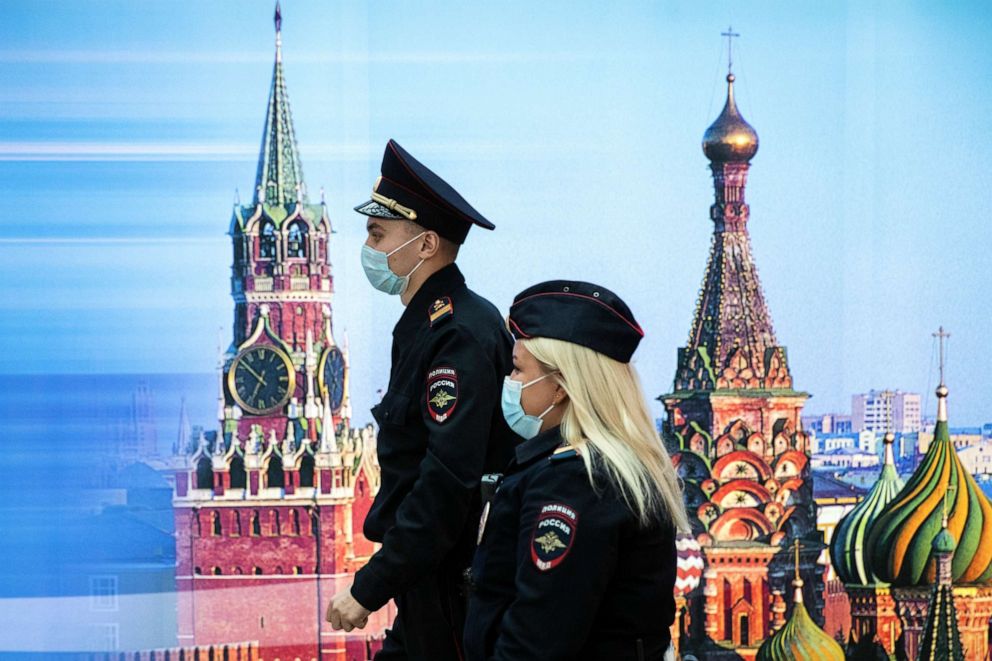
(941,636)
(277,19)
(280,172)
(732,343)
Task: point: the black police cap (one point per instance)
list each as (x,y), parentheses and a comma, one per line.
(578,312)
(409,190)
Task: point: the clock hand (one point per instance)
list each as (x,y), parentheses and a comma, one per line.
(258,376)
(255,391)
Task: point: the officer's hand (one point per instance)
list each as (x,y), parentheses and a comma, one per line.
(344,612)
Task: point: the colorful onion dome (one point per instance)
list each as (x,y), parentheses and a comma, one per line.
(730,138)
(689,565)
(800,639)
(901,539)
(850,539)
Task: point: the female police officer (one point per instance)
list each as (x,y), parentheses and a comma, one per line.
(576,555)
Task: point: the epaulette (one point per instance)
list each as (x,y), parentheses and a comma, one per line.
(563,453)
(440,310)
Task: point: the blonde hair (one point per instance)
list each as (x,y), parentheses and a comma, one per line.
(608,421)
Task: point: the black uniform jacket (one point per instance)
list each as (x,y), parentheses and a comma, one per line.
(564,572)
(440,429)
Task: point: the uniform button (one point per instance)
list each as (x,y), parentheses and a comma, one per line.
(386,415)
(565,289)
(595,294)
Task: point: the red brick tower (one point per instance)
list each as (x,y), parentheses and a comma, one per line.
(734,428)
(269,510)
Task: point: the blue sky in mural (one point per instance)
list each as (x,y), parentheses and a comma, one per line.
(126,127)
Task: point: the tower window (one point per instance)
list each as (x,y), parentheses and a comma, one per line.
(267,242)
(306,470)
(297,240)
(204,474)
(274,474)
(238,476)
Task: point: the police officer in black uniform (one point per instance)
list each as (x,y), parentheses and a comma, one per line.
(440,425)
(566,570)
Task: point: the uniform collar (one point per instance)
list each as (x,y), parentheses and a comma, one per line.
(541,445)
(440,283)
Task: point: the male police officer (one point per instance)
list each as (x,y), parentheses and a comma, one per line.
(440,425)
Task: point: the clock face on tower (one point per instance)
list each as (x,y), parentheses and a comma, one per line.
(261,379)
(331,375)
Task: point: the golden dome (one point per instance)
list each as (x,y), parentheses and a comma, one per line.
(730,138)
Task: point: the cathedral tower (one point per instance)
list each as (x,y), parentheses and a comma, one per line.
(734,428)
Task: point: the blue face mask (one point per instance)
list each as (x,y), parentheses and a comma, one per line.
(376,266)
(524,425)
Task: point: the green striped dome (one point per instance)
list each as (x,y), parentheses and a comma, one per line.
(848,544)
(901,539)
(800,639)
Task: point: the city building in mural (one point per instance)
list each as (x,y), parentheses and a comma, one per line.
(269,509)
(735,431)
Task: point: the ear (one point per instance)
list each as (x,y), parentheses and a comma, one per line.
(561,395)
(430,243)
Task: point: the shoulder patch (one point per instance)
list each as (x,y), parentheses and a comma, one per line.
(440,310)
(442,393)
(553,536)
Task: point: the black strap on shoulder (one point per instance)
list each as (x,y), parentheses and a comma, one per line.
(563,455)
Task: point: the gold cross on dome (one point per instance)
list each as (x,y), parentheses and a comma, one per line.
(941,334)
(730,34)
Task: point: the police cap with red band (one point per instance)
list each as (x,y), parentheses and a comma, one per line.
(409,190)
(578,312)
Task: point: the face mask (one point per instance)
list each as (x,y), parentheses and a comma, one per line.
(524,425)
(376,266)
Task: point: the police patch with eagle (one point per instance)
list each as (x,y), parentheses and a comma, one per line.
(442,393)
(553,535)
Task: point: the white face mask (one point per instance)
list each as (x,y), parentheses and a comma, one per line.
(375,263)
(524,425)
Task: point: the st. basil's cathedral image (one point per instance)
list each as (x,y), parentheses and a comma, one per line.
(269,508)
